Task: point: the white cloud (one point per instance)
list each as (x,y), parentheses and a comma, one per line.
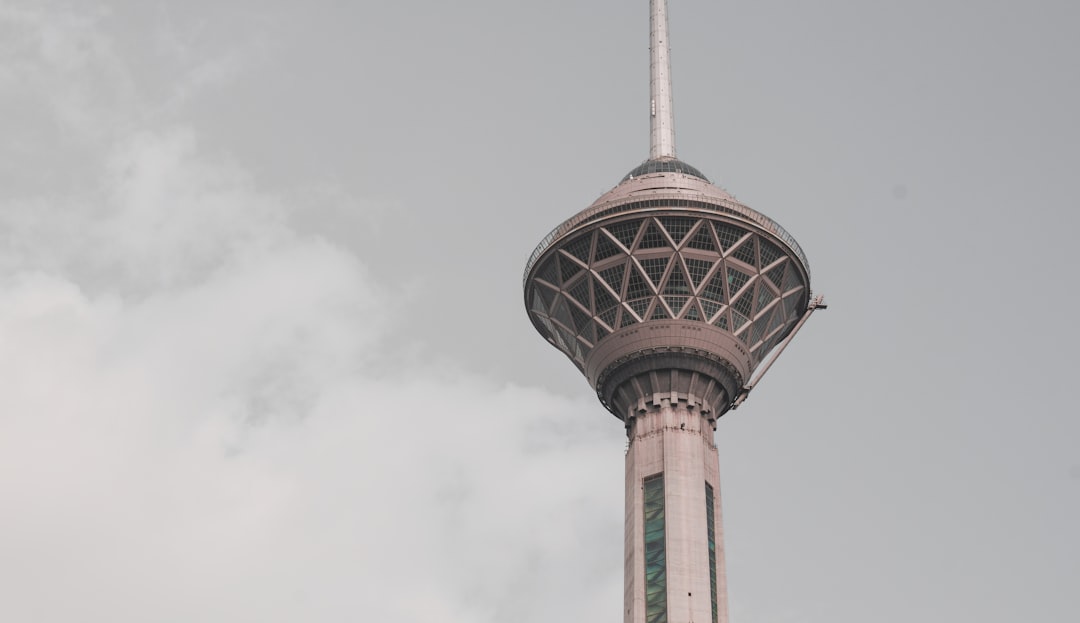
(198,420)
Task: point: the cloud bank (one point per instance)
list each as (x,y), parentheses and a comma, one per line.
(198,421)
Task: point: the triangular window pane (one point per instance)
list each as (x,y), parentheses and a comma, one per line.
(580,318)
(676,283)
(791,307)
(625,232)
(764,295)
(791,280)
(537,302)
(659,313)
(607,316)
(605,247)
(589,332)
(613,276)
(654,268)
(738,320)
(736,279)
(627,319)
(692,313)
(580,292)
(549,272)
(602,298)
(744,304)
(697,269)
(639,306)
(715,289)
(568,268)
(721,321)
(702,239)
(676,303)
(546,295)
(769,253)
(776,275)
(710,308)
(637,287)
(568,339)
(601,332)
(777,319)
(747,252)
(580,247)
(547,324)
(728,235)
(758,330)
(653,238)
(562,314)
(677,226)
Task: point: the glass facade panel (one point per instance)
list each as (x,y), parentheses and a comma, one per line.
(654,268)
(676,283)
(640,306)
(715,289)
(653,238)
(664,166)
(580,247)
(728,234)
(791,280)
(698,269)
(625,232)
(703,239)
(603,299)
(769,252)
(562,314)
(747,252)
(710,520)
(568,268)
(710,308)
(605,248)
(776,276)
(676,303)
(677,226)
(549,273)
(744,304)
(607,316)
(614,276)
(658,312)
(580,319)
(580,293)
(736,279)
(655,551)
(637,287)
(764,296)
(692,313)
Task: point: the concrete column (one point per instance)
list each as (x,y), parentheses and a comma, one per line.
(674,438)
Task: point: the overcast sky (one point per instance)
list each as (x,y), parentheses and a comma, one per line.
(264,355)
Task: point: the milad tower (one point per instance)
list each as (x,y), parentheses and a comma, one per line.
(668,294)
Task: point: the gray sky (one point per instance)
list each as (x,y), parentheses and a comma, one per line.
(265,356)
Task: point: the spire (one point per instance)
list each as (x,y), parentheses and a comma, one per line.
(662,143)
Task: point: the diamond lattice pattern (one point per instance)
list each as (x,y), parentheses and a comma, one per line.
(703,270)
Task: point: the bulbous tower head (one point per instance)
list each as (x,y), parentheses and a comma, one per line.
(666,284)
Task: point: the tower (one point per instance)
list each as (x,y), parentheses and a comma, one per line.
(668,294)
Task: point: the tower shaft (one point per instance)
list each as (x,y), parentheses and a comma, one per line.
(674,541)
(662,115)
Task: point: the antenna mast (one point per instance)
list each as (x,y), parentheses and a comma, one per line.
(662,143)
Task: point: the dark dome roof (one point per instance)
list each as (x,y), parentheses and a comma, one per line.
(668,165)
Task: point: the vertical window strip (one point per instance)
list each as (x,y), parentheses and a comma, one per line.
(655,555)
(710,519)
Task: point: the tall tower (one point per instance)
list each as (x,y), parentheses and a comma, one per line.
(668,294)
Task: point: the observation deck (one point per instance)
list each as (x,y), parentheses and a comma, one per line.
(667,284)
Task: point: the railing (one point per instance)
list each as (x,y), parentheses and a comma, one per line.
(667,201)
